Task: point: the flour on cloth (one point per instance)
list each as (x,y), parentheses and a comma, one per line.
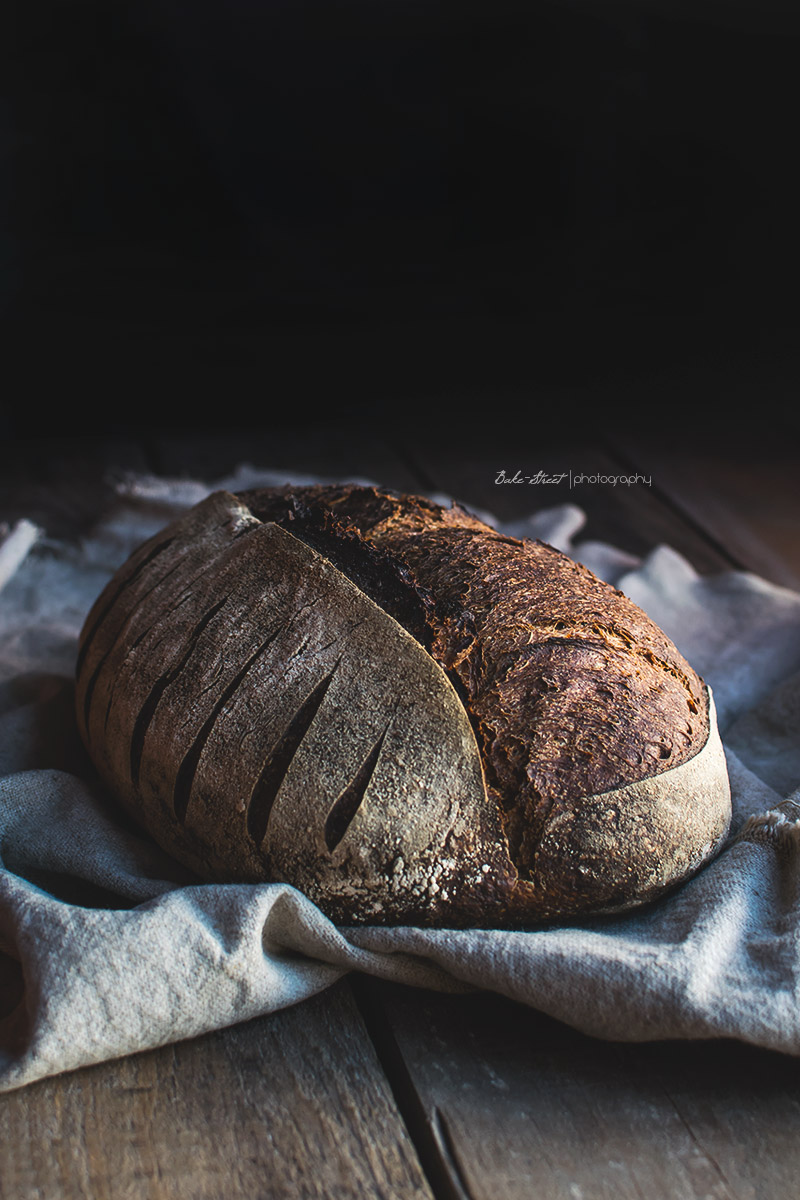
(119,950)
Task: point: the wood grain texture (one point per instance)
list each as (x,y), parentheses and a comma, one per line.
(745,499)
(503,1101)
(286,1107)
(630,516)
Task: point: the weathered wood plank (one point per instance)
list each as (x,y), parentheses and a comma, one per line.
(511,1103)
(744,493)
(292,1106)
(629,513)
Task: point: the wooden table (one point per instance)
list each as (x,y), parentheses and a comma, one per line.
(372,1090)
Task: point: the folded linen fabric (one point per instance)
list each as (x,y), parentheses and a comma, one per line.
(111,948)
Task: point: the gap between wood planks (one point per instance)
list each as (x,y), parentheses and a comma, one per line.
(508,1101)
(427,1128)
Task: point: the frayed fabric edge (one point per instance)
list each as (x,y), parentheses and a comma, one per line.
(780,826)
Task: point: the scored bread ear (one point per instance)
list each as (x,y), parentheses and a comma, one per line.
(609,852)
(265,720)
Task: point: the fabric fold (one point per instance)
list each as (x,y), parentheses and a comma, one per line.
(122,950)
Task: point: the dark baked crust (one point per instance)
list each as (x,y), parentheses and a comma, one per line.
(572,690)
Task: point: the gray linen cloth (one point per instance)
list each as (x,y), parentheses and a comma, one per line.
(114,950)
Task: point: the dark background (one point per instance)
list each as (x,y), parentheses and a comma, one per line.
(279,213)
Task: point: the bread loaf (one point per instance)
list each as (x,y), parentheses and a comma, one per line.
(400,711)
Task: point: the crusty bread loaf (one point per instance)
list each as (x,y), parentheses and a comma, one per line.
(399,710)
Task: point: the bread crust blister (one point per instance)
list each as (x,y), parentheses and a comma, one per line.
(398,710)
